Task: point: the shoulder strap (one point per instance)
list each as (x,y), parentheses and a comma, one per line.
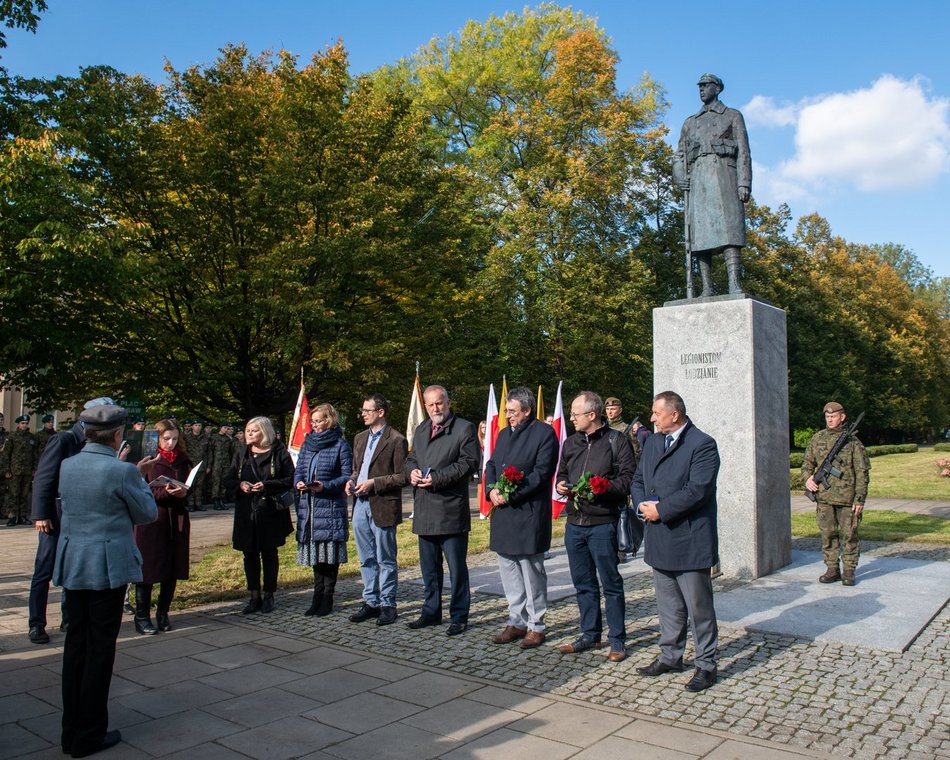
(614,437)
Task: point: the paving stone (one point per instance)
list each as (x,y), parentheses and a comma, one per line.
(363,712)
(395,741)
(514,744)
(284,739)
(260,707)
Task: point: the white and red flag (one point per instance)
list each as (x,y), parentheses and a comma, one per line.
(417,413)
(488,445)
(559,424)
(301,424)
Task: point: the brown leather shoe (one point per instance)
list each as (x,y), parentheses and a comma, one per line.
(510,634)
(533,639)
(617,653)
(847,577)
(581,644)
(831,575)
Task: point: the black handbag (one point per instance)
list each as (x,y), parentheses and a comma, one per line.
(629,531)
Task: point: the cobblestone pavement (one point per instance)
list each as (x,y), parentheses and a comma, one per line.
(821,696)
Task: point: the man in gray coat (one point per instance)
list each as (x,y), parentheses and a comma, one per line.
(714,166)
(443,457)
(96,557)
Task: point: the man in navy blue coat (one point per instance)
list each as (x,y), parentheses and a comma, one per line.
(675,492)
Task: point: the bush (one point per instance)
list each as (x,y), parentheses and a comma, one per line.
(802,437)
(902,448)
(942,447)
(795,459)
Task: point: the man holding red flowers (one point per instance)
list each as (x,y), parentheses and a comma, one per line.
(520,473)
(592,455)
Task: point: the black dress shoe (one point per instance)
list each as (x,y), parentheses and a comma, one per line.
(702,679)
(658,668)
(455,629)
(11,522)
(38,635)
(24,521)
(109,740)
(387,616)
(365,612)
(424,622)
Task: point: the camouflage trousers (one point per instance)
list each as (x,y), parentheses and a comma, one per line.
(217,484)
(18,496)
(197,491)
(838,523)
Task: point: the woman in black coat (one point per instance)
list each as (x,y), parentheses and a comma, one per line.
(259,475)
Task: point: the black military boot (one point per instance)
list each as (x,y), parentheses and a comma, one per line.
(143,605)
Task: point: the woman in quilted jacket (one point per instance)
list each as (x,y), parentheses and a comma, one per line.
(324,464)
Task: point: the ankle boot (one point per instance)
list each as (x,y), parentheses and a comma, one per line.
(329,573)
(143,604)
(267,604)
(166,593)
(254,604)
(161,620)
(326,605)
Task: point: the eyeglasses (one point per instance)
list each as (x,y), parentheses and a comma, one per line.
(572,415)
(368,411)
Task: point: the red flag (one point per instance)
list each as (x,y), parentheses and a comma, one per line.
(301,424)
(559,424)
(488,446)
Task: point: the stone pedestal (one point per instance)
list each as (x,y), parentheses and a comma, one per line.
(727,357)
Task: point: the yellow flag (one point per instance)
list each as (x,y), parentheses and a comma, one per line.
(539,413)
(502,417)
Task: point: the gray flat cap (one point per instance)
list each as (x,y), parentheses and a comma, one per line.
(103,417)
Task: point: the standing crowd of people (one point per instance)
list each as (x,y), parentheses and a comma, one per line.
(104,524)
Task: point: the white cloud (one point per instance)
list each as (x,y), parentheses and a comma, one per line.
(890,136)
(763,111)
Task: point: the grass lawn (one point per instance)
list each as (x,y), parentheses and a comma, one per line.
(902,476)
(220,574)
(884,525)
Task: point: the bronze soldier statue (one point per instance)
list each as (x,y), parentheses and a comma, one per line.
(714,169)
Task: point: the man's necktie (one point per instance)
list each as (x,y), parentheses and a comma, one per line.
(435,429)
(669,442)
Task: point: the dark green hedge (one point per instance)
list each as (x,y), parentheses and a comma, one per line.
(796,457)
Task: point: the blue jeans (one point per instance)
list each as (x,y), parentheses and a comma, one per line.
(454,547)
(592,552)
(377,549)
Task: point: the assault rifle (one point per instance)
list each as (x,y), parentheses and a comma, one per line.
(827,468)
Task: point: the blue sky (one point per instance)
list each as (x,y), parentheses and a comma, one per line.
(847,103)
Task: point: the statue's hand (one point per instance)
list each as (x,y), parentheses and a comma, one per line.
(744,194)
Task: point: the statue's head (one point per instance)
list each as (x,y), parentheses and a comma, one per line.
(709,87)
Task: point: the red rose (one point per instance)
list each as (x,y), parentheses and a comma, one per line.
(513,474)
(599,485)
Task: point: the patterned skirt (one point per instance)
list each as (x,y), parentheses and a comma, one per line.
(323,552)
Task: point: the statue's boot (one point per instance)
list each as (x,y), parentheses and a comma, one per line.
(705,272)
(732,269)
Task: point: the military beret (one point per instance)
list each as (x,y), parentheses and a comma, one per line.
(192,422)
(103,417)
(22,418)
(47,418)
(833,406)
(613,401)
(711,79)
(135,419)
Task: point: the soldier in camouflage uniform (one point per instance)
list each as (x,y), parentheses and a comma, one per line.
(197,444)
(18,463)
(45,433)
(839,507)
(221,450)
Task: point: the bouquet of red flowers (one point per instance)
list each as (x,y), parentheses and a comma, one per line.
(588,486)
(506,485)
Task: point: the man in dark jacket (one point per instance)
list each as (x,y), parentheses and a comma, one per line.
(443,457)
(521,519)
(594,472)
(379,457)
(675,492)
